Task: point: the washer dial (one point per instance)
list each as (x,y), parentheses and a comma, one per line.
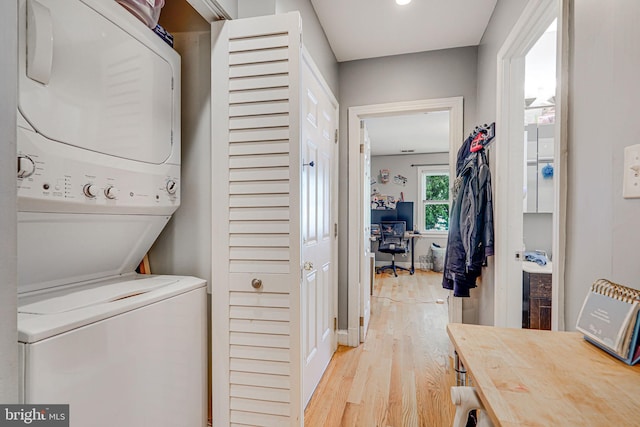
(26,166)
(90,190)
(172,186)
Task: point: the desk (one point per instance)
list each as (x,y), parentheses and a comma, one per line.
(544,378)
(413,237)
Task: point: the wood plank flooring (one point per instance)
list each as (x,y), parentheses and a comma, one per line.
(401,376)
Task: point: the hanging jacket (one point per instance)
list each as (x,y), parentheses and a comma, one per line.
(471,222)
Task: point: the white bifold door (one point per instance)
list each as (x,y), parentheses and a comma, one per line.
(274,157)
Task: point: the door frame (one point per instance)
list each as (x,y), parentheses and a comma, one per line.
(534,20)
(455,107)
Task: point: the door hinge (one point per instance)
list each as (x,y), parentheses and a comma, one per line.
(361,321)
(335,138)
(335,323)
(361,148)
(335,229)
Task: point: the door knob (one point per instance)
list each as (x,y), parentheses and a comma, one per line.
(308,266)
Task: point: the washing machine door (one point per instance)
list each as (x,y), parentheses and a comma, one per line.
(94,77)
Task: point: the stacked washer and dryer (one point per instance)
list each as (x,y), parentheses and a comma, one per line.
(98,179)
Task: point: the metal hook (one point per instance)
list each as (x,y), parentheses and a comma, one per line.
(311,163)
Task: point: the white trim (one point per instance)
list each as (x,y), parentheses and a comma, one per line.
(343,337)
(219,217)
(560,156)
(535,19)
(210,10)
(455,107)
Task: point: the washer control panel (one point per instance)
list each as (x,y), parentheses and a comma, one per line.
(70,179)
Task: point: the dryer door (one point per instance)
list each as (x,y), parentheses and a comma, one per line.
(95,84)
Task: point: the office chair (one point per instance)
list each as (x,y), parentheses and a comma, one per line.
(393,241)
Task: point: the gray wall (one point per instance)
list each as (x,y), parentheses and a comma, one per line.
(184,247)
(8,248)
(537,231)
(251,8)
(411,77)
(314,39)
(401,164)
(603,229)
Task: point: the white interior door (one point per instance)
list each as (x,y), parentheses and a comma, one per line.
(319,124)
(365,249)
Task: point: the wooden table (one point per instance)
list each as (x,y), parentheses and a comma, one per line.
(528,377)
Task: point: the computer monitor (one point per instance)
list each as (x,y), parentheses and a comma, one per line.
(404,212)
(379,215)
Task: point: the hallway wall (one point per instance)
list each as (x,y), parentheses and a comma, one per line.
(603,229)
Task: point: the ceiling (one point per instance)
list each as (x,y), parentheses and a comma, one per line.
(359,29)
(420,132)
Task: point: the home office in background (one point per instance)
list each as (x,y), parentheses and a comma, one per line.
(410,182)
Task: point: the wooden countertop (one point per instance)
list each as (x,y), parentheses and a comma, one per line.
(528,377)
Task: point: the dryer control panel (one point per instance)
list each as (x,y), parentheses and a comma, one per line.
(57,177)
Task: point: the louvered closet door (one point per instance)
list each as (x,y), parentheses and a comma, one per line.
(256,349)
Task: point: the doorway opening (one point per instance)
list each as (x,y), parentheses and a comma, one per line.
(531,168)
(360,198)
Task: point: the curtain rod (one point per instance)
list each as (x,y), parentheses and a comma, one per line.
(409,154)
(429,164)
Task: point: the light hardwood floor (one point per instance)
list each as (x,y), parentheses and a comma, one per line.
(401,376)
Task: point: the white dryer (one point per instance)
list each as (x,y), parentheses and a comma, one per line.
(98,179)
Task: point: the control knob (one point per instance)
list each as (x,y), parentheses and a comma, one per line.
(111,192)
(26,167)
(90,190)
(172,186)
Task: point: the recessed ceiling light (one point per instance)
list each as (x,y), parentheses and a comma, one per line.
(403,2)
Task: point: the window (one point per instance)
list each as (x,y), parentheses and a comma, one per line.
(434,193)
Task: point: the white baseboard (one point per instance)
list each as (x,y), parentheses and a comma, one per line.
(343,337)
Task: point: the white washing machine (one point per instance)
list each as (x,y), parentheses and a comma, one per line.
(98,179)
